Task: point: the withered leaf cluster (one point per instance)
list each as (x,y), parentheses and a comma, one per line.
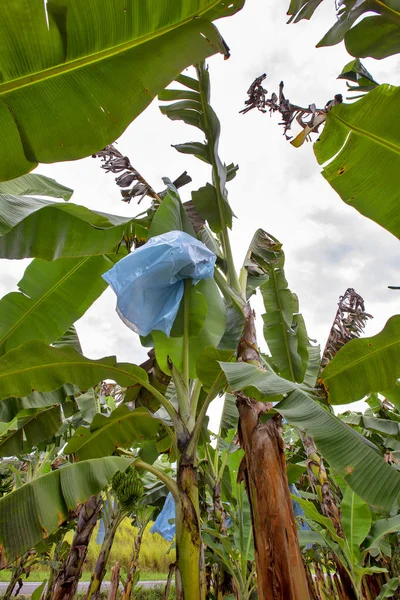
(348,324)
(129,179)
(309,118)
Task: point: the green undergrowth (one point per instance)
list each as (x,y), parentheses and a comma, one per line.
(37,575)
(140,594)
(155,554)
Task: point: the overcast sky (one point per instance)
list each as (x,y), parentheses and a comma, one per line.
(329,246)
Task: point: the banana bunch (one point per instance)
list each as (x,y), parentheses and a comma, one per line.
(128,488)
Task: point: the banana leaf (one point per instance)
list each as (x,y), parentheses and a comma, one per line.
(34,184)
(360,150)
(74,75)
(123,428)
(364,365)
(38,367)
(35,510)
(35,227)
(35,427)
(355,458)
(53,295)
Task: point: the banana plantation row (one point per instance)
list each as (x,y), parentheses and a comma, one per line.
(288,500)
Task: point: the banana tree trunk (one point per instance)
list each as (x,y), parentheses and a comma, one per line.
(100,568)
(280,569)
(67,580)
(133,564)
(190,583)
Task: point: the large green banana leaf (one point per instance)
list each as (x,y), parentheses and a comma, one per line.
(212,327)
(376,36)
(75,74)
(356,521)
(53,295)
(38,367)
(365,365)
(362,143)
(122,429)
(354,457)
(35,227)
(33,425)
(28,185)
(35,510)
(284,328)
(11,407)
(380,529)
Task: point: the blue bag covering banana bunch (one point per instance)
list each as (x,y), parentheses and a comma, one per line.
(149,282)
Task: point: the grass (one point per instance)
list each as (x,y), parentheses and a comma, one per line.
(40,575)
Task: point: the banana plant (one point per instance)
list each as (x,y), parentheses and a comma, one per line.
(234,552)
(362,536)
(227,531)
(194,368)
(211,203)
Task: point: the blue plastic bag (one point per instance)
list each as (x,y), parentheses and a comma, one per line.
(298,511)
(165,522)
(149,282)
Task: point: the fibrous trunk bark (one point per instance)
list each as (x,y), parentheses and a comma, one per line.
(100,568)
(133,564)
(67,580)
(190,583)
(280,569)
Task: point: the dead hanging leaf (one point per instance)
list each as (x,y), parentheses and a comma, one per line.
(348,324)
(115,162)
(309,118)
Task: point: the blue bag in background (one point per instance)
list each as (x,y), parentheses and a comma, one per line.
(298,511)
(163,524)
(149,282)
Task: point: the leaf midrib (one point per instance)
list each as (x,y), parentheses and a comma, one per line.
(350,365)
(101,430)
(74,363)
(367,134)
(77,63)
(41,299)
(5,438)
